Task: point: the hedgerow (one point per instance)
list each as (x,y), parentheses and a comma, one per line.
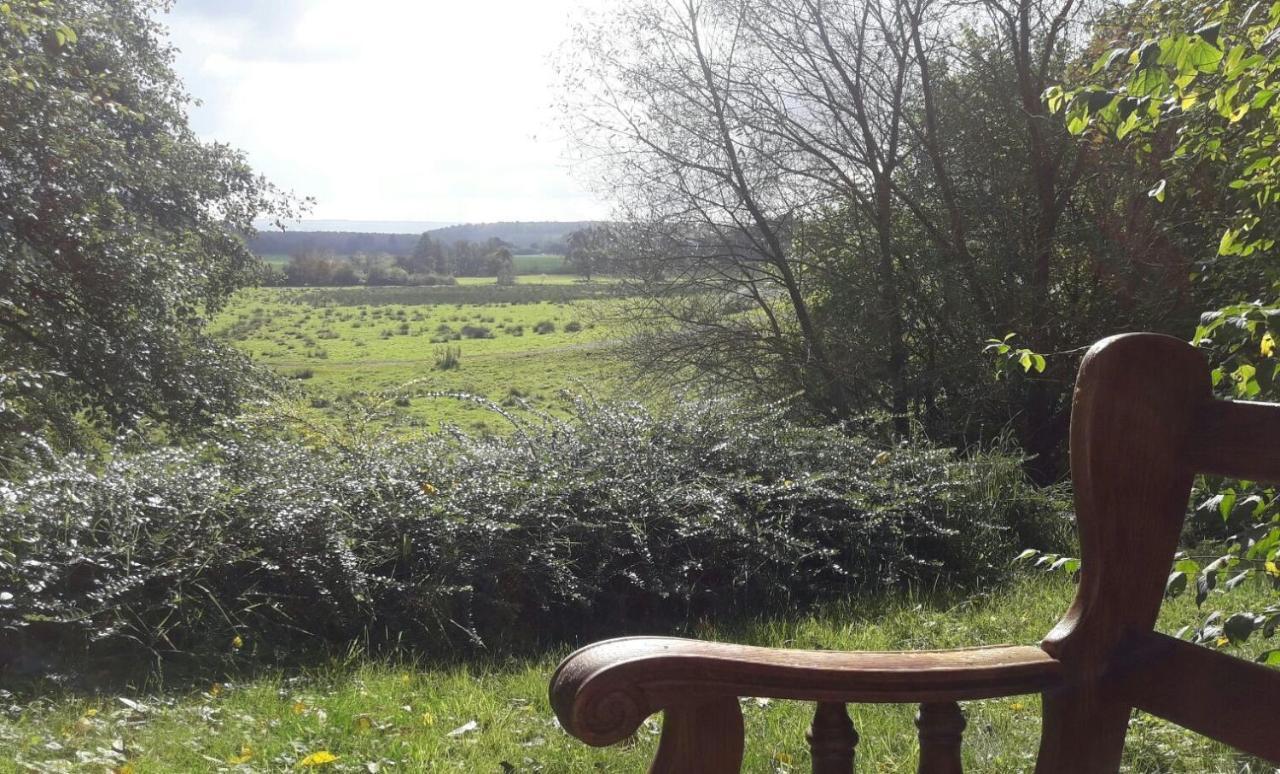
(615,520)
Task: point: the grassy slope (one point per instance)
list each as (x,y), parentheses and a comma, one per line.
(362,345)
(367,712)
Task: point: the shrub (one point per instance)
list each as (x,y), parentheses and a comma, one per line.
(573,326)
(615,520)
(544,326)
(476,332)
(448,358)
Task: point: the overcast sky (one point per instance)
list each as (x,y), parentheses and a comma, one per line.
(432,110)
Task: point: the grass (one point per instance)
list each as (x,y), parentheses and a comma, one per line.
(349,346)
(494,717)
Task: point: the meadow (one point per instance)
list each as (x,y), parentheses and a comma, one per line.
(397,349)
(354,714)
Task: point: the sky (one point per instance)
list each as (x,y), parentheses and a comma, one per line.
(389,110)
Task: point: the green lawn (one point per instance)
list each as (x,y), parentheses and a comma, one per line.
(494,717)
(348,346)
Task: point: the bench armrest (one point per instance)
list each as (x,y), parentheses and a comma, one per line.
(603,692)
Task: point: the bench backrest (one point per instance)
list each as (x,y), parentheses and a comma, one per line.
(1144,423)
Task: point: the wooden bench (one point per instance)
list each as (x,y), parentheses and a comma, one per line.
(1143,424)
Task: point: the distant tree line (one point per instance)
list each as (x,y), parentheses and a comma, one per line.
(521,238)
(588,252)
(429,263)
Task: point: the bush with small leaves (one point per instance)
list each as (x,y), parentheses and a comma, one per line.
(476,332)
(615,519)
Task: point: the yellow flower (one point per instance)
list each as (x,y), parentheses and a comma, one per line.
(1273,569)
(237,642)
(299,708)
(246,755)
(1222,642)
(428,489)
(1268,346)
(428,719)
(1017,706)
(91,712)
(318,758)
(215,690)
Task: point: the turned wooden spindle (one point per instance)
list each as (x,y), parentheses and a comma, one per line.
(832,739)
(941,726)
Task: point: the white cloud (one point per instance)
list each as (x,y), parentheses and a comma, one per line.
(404,110)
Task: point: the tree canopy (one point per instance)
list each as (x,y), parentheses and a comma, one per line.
(120,230)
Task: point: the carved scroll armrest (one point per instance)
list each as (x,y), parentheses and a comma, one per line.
(603,692)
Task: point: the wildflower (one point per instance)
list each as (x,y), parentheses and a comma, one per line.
(318,758)
(428,489)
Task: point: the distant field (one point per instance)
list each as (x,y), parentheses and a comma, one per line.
(525,264)
(541,264)
(363,346)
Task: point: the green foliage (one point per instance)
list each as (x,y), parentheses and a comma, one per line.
(614,520)
(120,228)
(1190,94)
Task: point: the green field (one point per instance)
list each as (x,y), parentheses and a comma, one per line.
(494,717)
(541,264)
(356,348)
(526,265)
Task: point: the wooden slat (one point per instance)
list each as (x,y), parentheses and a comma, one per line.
(1236,702)
(1237,440)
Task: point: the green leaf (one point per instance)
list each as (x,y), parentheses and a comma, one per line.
(1269,657)
(1239,626)
(1199,56)
(1108,59)
(1210,32)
